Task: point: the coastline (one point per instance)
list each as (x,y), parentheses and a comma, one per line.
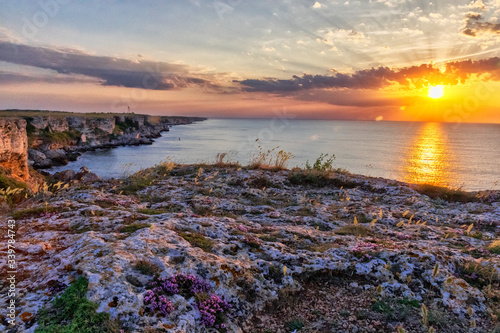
(353,244)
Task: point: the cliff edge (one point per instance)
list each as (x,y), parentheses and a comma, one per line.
(13,148)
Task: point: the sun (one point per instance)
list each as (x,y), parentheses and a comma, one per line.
(436,91)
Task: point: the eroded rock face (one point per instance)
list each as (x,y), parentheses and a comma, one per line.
(14,147)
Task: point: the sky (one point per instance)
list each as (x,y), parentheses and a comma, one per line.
(330,59)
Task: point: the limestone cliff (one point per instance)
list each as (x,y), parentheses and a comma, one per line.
(13,148)
(55,139)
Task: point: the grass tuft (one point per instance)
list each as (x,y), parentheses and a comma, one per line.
(72,312)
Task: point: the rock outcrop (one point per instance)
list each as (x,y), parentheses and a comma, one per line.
(13,148)
(365,254)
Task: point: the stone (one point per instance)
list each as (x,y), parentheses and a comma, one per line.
(58,156)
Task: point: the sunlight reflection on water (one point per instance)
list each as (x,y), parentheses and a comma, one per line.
(428,161)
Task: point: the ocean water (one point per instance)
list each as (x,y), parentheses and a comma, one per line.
(463,156)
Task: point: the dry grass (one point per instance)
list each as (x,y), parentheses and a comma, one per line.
(355,230)
(444,193)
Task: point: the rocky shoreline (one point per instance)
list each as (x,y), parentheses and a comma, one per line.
(261,250)
(55,140)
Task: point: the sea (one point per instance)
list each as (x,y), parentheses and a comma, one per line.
(465,156)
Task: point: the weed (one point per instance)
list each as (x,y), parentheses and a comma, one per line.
(321,164)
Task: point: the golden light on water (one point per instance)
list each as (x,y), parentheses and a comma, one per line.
(428,159)
(436,92)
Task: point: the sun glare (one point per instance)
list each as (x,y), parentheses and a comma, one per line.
(436,91)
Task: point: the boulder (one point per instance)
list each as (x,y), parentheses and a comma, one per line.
(65,176)
(58,156)
(39,159)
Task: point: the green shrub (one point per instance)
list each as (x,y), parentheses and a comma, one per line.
(72,312)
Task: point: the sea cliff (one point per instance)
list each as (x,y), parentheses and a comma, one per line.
(42,139)
(13,148)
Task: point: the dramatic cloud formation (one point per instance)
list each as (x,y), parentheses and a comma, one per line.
(475,26)
(112,71)
(377,78)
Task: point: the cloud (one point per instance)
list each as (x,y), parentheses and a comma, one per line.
(381,77)
(317,5)
(475,25)
(110,71)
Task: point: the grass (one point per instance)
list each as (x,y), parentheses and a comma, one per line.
(261,182)
(35,212)
(355,230)
(396,309)
(494,247)
(149,211)
(295,324)
(477,274)
(444,193)
(72,312)
(6,182)
(144,178)
(197,240)
(147,267)
(134,227)
(268,159)
(316,178)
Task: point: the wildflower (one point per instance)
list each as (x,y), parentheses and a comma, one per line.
(213,311)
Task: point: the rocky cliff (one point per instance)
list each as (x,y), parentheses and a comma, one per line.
(347,254)
(13,148)
(57,139)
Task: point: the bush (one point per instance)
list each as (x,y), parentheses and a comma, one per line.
(72,312)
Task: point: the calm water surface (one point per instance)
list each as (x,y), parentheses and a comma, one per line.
(465,155)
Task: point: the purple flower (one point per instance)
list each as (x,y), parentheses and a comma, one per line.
(213,311)
(157,302)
